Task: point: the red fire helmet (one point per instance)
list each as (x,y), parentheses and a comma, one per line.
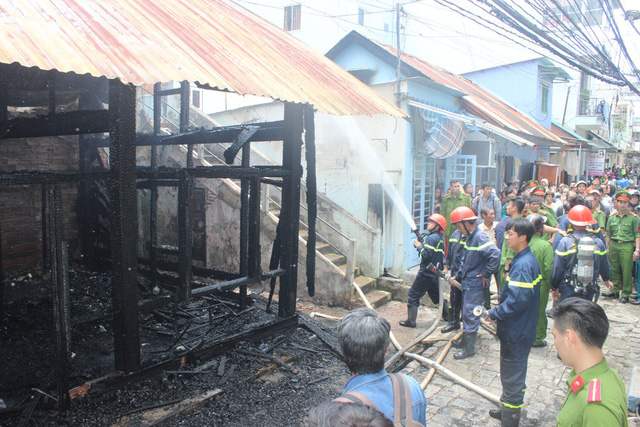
(462,213)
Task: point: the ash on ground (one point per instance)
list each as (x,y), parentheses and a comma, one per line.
(273,382)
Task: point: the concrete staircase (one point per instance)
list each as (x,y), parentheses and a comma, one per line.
(375,296)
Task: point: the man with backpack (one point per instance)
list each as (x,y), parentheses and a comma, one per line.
(364,337)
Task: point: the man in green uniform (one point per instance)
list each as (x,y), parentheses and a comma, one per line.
(596,395)
(623,241)
(543,252)
(454,199)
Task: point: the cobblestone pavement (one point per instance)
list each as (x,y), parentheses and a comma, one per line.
(450,404)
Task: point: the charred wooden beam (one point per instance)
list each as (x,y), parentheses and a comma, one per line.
(37,178)
(236,283)
(291,158)
(254,229)
(153,202)
(243,138)
(60,283)
(115,381)
(1,281)
(312,195)
(233,172)
(124,225)
(51,88)
(277,183)
(244,217)
(4,111)
(69,123)
(185,99)
(43,226)
(185,235)
(151,184)
(204,272)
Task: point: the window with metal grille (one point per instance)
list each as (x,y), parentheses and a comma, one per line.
(423,189)
(292,17)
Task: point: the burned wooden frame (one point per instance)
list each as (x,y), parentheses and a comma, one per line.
(124,178)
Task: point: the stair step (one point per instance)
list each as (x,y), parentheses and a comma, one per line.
(323,248)
(376,299)
(336,259)
(343,267)
(367,284)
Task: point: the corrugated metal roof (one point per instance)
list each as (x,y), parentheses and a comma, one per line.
(206,41)
(476,100)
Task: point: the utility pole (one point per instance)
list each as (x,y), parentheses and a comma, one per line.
(398,56)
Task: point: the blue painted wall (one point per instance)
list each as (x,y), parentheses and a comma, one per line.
(354,57)
(519,85)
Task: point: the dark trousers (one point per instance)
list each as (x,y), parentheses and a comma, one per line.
(421,286)
(456,299)
(513,372)
(471,298)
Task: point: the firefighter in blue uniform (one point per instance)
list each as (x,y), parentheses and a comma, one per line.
(517,318)
(431,252)
(480,261)
(452,263)
(565,275)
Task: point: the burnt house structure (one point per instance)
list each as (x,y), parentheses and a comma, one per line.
(68,76)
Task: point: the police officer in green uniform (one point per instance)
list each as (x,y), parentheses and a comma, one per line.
(623,241)
(543,252)
(596,394)
(455,198)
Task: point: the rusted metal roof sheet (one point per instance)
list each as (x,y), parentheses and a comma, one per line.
(208,41)
(478,101)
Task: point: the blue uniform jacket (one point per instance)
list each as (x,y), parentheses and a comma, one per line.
(564,224)
(500,230)
(517,313)
(378,388)
(431,252)
(566,256)
(481,258)
(455,253)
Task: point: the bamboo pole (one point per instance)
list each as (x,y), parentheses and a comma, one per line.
(463,382)
(395,342)
(440,358)
(419,338)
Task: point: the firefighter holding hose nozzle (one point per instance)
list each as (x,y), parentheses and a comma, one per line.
(431,251)
(480,261)
(580,259)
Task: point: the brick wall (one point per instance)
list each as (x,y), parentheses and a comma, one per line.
(21,206)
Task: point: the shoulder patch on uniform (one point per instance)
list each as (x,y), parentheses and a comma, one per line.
(577,384)
(595,386)
(633,213)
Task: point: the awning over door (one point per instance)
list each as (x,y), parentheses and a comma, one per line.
(439,135)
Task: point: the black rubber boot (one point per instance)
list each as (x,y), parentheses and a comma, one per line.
(469,348)
(412,316)
(454,322)
(495,414)
(446,313)
(510,416)
(459,343)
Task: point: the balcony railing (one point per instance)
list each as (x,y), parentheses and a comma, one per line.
(592,107)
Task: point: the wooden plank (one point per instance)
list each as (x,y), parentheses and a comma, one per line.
(168,412)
